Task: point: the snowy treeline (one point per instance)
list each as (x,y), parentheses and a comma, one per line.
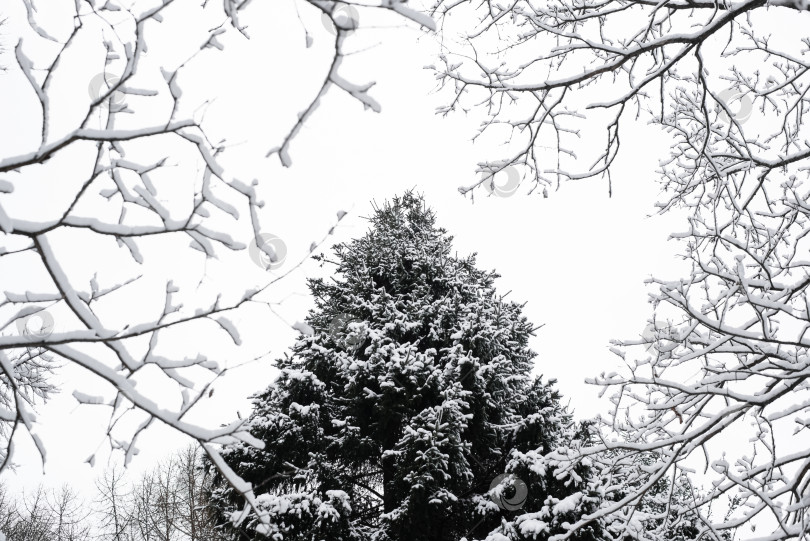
(169,502)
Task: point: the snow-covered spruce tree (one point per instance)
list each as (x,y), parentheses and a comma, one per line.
(407,410)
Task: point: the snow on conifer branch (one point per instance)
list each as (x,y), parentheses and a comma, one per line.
(406,409)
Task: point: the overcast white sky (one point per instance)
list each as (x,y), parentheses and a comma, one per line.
(578,258)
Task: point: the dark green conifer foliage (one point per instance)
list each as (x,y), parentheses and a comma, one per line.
(413,393)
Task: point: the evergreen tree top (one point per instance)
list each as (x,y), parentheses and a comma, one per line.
(402,244)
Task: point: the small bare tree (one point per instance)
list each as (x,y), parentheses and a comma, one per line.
(158,510)
(7,511)
(197,517)
(144,495)
(168,503)
(71,516)
(115,512)
(34,522)
(45,515)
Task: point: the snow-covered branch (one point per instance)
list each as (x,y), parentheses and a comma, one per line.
(560,79)
(145,172)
